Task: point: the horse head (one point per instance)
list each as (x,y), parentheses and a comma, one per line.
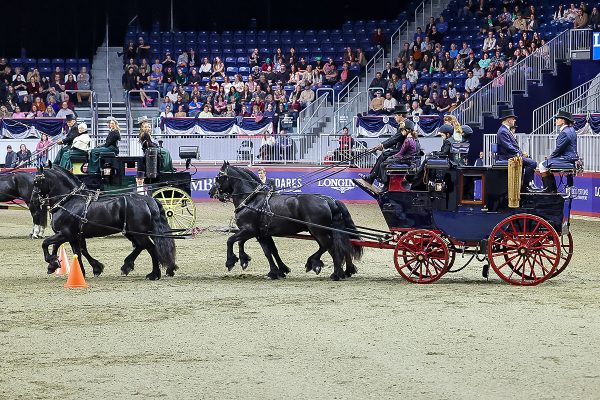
(222,188)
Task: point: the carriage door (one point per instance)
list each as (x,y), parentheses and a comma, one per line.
(472,188)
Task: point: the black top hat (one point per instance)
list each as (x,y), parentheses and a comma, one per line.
(410,125)
(140,175)
(400,110)
(508,113)
(567,116)
(446,129)
(70,117)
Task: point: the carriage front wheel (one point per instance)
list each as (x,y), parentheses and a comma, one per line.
(524,249)
(179,208)
(421,256)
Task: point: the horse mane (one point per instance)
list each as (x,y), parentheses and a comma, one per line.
(250,174)
(66,175)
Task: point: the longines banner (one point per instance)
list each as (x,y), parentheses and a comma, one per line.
(340,186)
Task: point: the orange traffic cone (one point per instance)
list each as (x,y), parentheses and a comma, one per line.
(63,259)
(75,279)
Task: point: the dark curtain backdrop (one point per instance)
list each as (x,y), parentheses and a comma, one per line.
(76,29)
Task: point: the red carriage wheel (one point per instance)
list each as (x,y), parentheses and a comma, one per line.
(524,249)
(421,256)
(566,252)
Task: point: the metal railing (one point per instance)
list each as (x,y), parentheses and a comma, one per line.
(345,114)
(579,41)
(110,100)
(345,92)
(330,152)
(583,99)
(309,116)
(372,66)
(541,146)
(515,79)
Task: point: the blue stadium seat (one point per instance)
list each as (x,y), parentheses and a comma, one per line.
(244,70)
(232,70)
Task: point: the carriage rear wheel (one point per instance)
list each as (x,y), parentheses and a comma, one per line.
(421,256)
(179,208)
(566,252)
(524,250)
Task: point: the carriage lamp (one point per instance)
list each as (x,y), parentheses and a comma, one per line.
(188,153)
(107,170)
(440,186)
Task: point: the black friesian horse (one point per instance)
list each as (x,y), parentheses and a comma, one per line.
(262,214)
(19,185)
(78,214)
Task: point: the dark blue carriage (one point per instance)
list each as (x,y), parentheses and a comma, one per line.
(465,210)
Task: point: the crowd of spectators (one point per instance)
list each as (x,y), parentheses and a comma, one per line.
(508,33)
(28,94)
(270,85)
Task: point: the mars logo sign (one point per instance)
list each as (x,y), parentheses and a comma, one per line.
(341,185)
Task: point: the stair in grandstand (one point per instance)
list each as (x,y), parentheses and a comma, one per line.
(108,86)
(119,113)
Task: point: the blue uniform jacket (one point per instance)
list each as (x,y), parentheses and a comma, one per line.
(566,146)
(507,144)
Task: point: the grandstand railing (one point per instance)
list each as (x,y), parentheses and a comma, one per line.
(541,146)
(110,100)
(311,114)
(501,89)
(579,41)
(330,153)
(345,114)
(376,63)
(583,99)
(345,92)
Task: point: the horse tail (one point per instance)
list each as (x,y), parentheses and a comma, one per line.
(357,251)
(341,241)
(165,246)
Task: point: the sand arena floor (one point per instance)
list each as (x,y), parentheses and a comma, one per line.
(209,333)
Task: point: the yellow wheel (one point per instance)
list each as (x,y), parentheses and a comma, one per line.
(179,208)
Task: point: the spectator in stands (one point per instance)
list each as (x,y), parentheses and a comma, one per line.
(441,25)
(23,156)
(331,76)
(33,86)
(49,112)
(519,24)
(143,49)
(166,113)
(387,72)
(144,66)
(168,79)
(376,105)
(443,103)
(218,67)
(10,160)
(378,38)
(254,58)
(465,50)
(18,75)
(4,113)
(205,68)
(435,36)
(168,62)
(70,83)
(18,113)
(429,26)
(194,79)
(182,59)
(472,83)
(244,112)
(142,80)
(415,109)
(34,112)
(180,77)
(378,81)
(489,43)
(307,96)
(25,104)
(206,113)
(559,14)
(83,83)
(581,20)
(64,111)
(485,61)
(130,64)
(129,79)
(594,21)
(180,112)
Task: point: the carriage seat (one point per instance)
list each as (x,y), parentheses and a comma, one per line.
(562,166)
(77,163)
(438,163)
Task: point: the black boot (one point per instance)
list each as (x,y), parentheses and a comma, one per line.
(549,184)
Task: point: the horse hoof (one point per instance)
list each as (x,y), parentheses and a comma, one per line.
(317,269)
(271,276)
(334,277)
(244,261)
(170,272)
(151,276)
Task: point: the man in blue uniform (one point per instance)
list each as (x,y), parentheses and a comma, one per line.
(508,148)
(565,151)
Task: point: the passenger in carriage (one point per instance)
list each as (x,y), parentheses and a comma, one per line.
(564,153)
(509,148)
(445,131)
(390,146)
(111,145)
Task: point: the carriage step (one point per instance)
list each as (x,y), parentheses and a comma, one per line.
(367,186)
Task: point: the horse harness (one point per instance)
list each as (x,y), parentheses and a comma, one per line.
(264,211)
